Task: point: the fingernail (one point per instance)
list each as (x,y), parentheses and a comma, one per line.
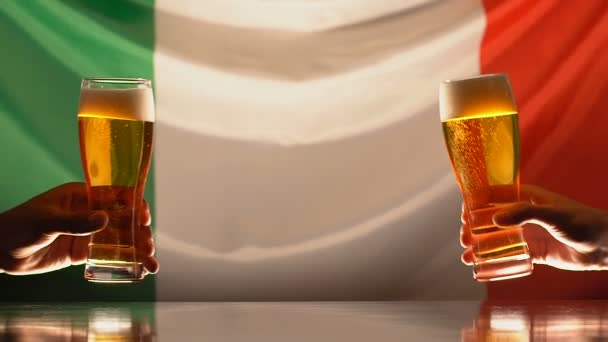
(98,219)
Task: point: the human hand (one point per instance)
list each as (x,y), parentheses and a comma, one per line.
(560,232)
(52,231)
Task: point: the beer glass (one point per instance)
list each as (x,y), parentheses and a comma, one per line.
(115,121)
(481,130)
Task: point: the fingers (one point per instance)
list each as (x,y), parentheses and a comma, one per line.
(145,242)
(146,249)
(467,257)
(465,235)
(148,260)
(464,215)
(80,223)
(518,214)
(465,229)
(151,265)
(80,249)
(78,199)
(145,216)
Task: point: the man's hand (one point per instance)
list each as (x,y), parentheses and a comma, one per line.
(560,232)
(52,231)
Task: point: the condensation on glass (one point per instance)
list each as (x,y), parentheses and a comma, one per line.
(480,125)
(116,123)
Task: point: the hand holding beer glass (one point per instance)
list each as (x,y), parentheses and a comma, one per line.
(481,130)
(115,120)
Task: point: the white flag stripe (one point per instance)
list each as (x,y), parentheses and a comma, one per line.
(267,172)
(291,15)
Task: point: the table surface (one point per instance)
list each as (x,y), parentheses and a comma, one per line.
(306,321)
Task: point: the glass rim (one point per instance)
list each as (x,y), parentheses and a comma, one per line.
(499,74)
(116,81)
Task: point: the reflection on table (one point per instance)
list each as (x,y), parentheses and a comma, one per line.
(539,321)
(77,322)
(434,321)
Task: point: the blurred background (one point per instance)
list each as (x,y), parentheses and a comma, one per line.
(299,153)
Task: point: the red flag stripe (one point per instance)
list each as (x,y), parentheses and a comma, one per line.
(556,55)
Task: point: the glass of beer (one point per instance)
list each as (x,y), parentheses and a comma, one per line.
(116,121)
(481,130)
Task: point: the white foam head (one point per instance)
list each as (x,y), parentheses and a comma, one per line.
(136,103)
(476,96)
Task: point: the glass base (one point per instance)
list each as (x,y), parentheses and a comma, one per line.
(504,268)
(113,271)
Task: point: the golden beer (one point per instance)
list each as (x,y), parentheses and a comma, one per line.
(481,130)
(116,121)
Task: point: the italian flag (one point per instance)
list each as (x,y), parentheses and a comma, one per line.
(298,147)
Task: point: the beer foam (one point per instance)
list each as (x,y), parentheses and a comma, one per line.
(126,104)
(478,96)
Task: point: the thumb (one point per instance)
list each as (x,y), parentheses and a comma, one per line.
(518,214)
(75,223)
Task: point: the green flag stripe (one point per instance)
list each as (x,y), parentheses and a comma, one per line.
(16,168)
(47,47)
